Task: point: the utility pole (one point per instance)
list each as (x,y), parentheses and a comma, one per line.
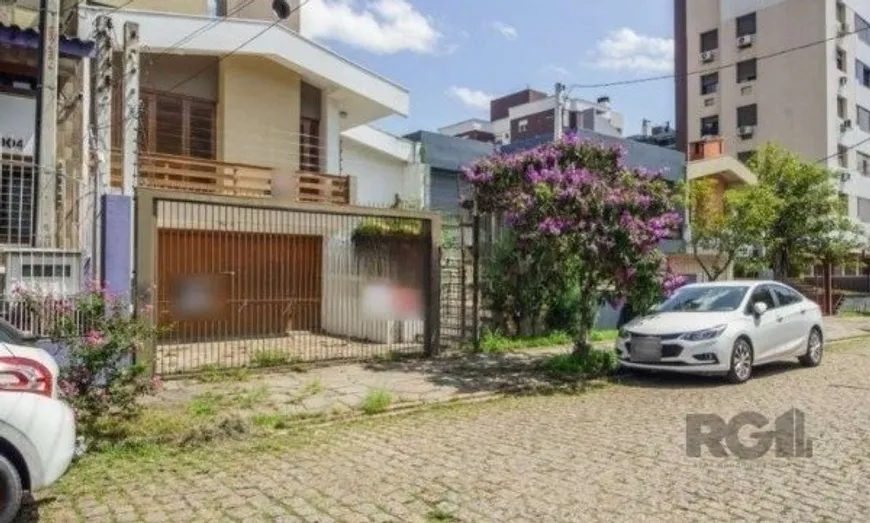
(103,83)
(45,149)
(558,127)
(130,86)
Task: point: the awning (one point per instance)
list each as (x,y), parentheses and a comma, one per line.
(29,39)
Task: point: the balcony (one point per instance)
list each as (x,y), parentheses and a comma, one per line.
(196,175)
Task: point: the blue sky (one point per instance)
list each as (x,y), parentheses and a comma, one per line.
(454,54)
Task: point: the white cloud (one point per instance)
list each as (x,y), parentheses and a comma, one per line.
(473,98)
(507,31)
(379,26)
(625,50)
(555,70)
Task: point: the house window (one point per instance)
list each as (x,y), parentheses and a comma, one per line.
(747,115)
(863,163)
(523,126)
(864,209)
(863,117)
(710,126)
(862,27)
(172,124)
(841,12)
(841,59)
(862,73)
(842,108)
(309,144)
(17,191)
(745,156)
(710,41)
(843,156)
(746,25)
(746,70)
(709,83)
(45,271)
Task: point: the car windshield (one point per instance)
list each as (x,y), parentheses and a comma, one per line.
(705,299)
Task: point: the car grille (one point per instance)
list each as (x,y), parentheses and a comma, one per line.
(669,350)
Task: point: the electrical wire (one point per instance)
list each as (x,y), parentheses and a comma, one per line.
(715,69)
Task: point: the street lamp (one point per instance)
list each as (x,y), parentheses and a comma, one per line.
(282,9)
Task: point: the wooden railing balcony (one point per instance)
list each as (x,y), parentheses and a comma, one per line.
(197,175)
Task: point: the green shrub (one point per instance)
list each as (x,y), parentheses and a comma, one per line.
(597,364)
(377,401)
(100,379)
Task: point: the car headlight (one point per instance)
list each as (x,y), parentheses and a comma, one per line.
(706,334)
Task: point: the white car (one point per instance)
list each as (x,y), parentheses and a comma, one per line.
(724,328)
(37,430)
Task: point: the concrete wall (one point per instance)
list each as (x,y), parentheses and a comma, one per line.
(794,91)
(379,177)
(258,113)
(165,72)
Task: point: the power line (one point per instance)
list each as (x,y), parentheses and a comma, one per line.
(840,151)
(714,69)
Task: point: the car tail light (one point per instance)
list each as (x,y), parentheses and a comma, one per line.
(25,375)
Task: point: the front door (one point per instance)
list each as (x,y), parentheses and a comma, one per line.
(765,327)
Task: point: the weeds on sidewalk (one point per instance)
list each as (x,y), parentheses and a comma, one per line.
(377,401)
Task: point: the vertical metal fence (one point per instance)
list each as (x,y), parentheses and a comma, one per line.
(242,283)
(43,213)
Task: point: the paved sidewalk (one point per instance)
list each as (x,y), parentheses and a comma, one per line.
(345,389)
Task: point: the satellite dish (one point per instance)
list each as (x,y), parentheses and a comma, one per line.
(281,8)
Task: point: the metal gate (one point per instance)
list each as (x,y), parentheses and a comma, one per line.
(244,282)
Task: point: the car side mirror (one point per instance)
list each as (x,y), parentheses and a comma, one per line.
(759,308)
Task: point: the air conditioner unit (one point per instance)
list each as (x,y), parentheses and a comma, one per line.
(846,125)
(845,176)
(844,29)
(746,131)
(707,56)
(844,80)
(744,41)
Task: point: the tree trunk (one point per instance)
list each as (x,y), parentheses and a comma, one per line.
(585,324)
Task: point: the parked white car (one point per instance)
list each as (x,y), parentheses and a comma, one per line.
(37,430)
(724,328)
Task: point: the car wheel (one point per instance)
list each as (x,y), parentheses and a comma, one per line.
(11,491)
(815,348)
(741,361)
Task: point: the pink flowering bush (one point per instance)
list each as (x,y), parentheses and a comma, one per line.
(578,202)
(100,376)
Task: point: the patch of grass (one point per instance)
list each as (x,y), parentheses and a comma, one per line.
(251,398)
(439,514)
(856,313)
(495,343)
(271,421)
(205,405)
(270,358)
(313,387)
(215,374)
(597,364)
(376,401)
(604,335)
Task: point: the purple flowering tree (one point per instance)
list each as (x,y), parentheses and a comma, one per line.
(578,202)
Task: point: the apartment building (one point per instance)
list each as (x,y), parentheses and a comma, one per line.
(530,113)
(795,72)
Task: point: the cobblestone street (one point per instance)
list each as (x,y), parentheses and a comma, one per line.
(614,454)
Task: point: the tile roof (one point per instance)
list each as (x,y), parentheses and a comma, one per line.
(28,38)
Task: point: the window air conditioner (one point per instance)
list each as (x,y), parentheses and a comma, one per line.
(843,81)
(846,125)
(707,56)
(744,41)
(746,131)
(843,29)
